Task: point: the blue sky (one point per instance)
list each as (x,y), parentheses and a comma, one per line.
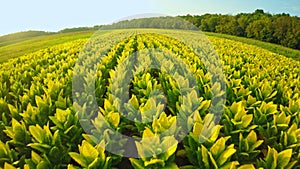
(54,15)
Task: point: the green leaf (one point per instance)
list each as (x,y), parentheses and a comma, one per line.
(213,161)
(271,159)
(252,137)
(204,153)
(255,145)
(107,163)
(43,165)
(218,147)
(230,165)
(272,95)
(56,122)
(247,120)
(35,157)
(291,164)
(154,161)
(88,151)
(79,159)
(226,155)
(9,166)
(137,164)
(134,102)
(148,133)
(197,129)
(284,158)
(13,111)
(101,150)
(37,132)
(238,110)
(215,134)
(62,115)
(40,102)
(108,106)
(95,164)
(171,143)
(56,140)
(114,119)
(145,108)
(44,148)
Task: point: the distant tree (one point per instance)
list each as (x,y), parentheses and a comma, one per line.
(282,25)
(209,23)
(261,30)
(259,11)
(287,31)
(229,25)
(243,22)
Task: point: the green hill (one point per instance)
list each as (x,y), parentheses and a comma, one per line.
(23,43)
(21,36)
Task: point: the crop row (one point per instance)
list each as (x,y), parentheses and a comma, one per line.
(54,102)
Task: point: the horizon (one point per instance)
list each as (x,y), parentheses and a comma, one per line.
(55,16)
(139,16)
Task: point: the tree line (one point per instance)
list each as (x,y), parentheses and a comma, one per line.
(281,29)
(80,29)
(164,22)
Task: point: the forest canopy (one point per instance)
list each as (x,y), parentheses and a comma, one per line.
(281,29)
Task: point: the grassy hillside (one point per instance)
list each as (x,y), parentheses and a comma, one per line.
(21,36)
(27,45)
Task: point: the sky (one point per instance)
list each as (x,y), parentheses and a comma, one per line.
(54,15)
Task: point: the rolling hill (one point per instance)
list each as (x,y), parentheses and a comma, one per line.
(221,102)
(19,44)
(21,36)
